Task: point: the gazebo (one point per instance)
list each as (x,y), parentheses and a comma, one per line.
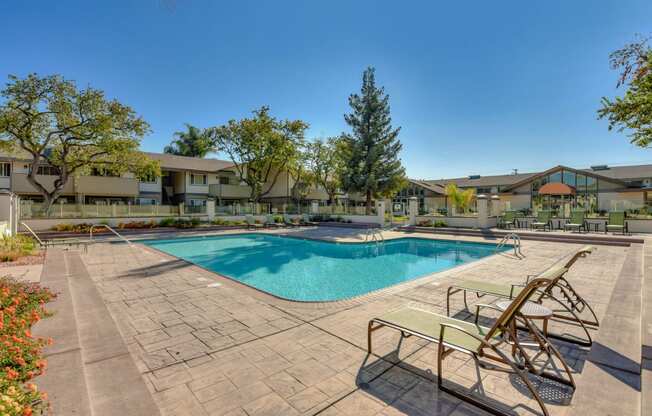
(558,196)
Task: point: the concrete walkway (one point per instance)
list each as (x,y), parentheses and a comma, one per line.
(201,344)
(90,368)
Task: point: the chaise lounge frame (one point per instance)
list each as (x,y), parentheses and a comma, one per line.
(455,335)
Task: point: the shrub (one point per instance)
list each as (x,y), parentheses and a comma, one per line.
(83,228)
(21,306)
(439,223)
(15,247)
(184,223)
(167,222)
(278,219)
(136,225)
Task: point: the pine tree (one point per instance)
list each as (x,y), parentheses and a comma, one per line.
(372,166)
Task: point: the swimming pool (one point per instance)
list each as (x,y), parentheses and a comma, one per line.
(309,270)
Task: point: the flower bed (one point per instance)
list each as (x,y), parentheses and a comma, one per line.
(21,306)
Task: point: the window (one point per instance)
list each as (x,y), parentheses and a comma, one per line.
(198,179)
(224,180)
(555,177)
(148,179)
(197,202)
(569,178)
(47,170)
(103,172)
(5,169)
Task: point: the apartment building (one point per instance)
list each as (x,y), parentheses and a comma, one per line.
(598,189)
(184,180)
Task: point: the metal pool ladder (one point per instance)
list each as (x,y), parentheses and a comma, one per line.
(375,235)
(120,236)
(516,243)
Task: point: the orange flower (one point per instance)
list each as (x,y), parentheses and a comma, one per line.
(11,373)
(27,411)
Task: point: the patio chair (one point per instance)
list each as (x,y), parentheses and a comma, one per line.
(577,221)
(481,342)
(560,291)
(305,220)
(288,221)
(543,221)
(251,222)
(508,219)
(616,222)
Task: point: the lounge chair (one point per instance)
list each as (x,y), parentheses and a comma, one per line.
(288,221)
(482,343)
(543,221)
(305,220)
(251,222)
(560,291)
(616,222)
(577,221)
(508,219)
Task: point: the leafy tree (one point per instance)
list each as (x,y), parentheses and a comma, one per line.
(373,167)
(326,159)
(73,130)
(261,148)
(461,199)
(301,174)
(194,142)
(633,111)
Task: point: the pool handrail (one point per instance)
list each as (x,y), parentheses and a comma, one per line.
(120,236)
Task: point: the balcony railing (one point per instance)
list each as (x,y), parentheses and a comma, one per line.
(30,209)
(219,190)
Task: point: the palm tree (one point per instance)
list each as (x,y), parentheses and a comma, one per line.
(193,142)
(460,199)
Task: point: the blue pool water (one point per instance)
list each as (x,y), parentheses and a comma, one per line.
(308,270)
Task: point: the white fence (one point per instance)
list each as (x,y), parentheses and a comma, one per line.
(30,210)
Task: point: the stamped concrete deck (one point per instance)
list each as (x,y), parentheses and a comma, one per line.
(205,345)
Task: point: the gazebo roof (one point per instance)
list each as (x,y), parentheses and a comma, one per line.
(556,188)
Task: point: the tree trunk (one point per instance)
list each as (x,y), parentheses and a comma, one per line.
(368,203)
(49,198)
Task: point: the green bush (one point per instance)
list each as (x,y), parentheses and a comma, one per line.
(167,222)
(15,247)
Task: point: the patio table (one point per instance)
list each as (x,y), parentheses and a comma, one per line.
(529,311)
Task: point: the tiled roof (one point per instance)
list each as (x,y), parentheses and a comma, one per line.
(168,161)
(482,181)
(624,172)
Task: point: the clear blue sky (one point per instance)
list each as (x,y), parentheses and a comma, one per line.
(477,87)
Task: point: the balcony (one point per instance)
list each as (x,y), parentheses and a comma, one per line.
(106,186)
(229,191)
(20,184)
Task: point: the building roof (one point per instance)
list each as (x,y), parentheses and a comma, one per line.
(168,161)
(438,189)
(482,181)
(618,173)
(624,172)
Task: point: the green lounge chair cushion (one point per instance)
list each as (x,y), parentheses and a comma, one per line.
(488,288)
(505,290)
(428,324)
